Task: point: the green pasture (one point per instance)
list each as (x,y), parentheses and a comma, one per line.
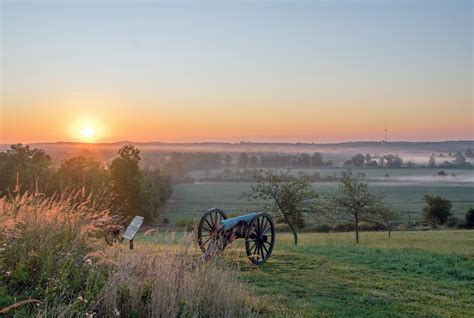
(188,201)
(419,274)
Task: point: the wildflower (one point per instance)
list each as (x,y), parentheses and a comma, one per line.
(80,298)
(116,312)
(88,261)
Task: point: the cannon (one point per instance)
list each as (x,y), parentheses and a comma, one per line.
(216,231)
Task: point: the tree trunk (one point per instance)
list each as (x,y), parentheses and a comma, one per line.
(295,235)
(357,230)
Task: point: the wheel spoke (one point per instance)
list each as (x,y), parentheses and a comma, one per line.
(261,250)
(212,219)
(265,248)
(259,226)
(254,252)
(267,226)
(210,225)
(206,228)
(206,241)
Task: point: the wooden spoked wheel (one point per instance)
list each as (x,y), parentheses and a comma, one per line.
(260,238)
(113,234)
(208,229)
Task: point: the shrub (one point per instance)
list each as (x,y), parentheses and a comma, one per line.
(280,227)
(323,228)
(452,221)
(370,226)
(437,210)
(470,219)
(166,221)
(343,227)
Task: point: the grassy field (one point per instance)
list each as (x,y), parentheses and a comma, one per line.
(190,200)
(423,274)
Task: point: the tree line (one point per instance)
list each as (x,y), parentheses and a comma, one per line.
(178,165)
(354,202)
(135,191)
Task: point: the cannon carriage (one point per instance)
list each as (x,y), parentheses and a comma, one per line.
(216,231)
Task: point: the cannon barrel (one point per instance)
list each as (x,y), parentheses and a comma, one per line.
(228,224)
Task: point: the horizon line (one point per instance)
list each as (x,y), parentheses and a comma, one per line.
(237,143)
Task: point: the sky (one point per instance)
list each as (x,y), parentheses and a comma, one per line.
(185,71)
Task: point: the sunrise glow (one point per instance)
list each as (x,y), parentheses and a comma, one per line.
(87,132)
(319,75)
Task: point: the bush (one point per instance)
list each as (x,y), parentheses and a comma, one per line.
(280,227)
(323,228)
(452,221)
(470,219)
(166,221)
(437,210)
(369,226)
(343,227)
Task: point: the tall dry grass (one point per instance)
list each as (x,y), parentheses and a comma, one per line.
(175,283)
(52,252)
(46,241)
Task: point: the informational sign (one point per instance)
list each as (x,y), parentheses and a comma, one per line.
(132,229)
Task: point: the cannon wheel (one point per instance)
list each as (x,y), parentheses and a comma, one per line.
(260,238)
(208,228)
(113,235)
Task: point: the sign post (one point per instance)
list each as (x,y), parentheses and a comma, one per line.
(132,229)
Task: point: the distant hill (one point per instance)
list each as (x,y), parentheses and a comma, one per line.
(105,151)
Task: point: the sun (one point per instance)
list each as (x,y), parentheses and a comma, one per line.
(87,132)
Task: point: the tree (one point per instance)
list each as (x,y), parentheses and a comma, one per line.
(290,195)
(460,159)
(386,216)
(126,179)
(436,209)
(368,158)
(253,162)
(432,161)
(176,167)
(161,183)
(78,172)
(317,160)
(357,160)
(227,160)
(355,202)
(24,166)
(470,218)
(393,161)
(243,160)
(304,160)
(469,153)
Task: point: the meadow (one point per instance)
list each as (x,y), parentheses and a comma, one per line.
(422,274)
(56,264)
(403,189)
